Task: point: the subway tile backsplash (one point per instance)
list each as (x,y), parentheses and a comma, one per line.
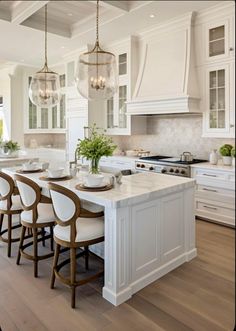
(172,136)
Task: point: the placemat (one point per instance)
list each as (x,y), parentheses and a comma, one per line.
(81,187)
(56,179)
(21,171)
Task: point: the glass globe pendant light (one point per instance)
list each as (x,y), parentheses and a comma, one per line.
(96,76)
(44,90)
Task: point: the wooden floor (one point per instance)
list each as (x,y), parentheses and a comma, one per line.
(198,295)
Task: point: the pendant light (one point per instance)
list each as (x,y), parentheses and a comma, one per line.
(44,90)
(96,76)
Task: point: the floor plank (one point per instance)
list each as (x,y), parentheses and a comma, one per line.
(197,296)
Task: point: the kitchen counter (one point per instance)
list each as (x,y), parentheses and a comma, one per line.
(14,161)
(219,166)
(149,228)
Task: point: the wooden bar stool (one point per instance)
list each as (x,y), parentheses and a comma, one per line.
(9,205)
(37,215)
(76,227)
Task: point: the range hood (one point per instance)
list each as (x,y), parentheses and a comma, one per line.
(167,81)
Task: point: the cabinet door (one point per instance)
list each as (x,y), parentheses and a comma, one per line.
(217,41)
(217,115)
(122,119)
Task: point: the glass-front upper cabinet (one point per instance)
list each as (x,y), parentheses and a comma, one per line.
(219,40)
(218,114)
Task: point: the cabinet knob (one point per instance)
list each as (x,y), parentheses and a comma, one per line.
(231,48)
(232,125)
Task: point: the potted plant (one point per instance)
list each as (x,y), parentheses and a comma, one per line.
(94,147)
(10,148)
(233,156)
(225,152)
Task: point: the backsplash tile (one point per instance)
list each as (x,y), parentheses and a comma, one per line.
(172,136)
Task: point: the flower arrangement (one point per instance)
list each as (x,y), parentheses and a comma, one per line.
(94,147)
(9,147)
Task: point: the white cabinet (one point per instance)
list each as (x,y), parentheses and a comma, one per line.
(219,111)
(117,122)
(45,120)
(215,195)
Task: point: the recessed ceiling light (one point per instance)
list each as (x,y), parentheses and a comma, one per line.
(62,47)
(22,60)
(69,14)
(151,15)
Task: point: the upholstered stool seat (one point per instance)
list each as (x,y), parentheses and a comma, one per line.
(16,204)
(45,214)
(86,229)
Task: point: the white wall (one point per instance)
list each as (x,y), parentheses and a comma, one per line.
(172,136)
(5,91)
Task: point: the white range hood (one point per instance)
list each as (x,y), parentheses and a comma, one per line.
(167,82)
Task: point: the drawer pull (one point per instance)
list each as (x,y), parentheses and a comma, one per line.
(208,207)
(209,175)
(210,190)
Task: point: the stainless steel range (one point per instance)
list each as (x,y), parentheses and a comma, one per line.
(166,165)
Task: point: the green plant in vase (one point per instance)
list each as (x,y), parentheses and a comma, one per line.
(9,147)
(94,147)
(225,152)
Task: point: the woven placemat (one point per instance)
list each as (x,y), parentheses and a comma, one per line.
(56,179)
(21,171)
(81,187)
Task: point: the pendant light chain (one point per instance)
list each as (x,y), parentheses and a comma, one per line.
(97,22)
(46,27)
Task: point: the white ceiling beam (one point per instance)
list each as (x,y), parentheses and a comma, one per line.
(24,9)
(124,6)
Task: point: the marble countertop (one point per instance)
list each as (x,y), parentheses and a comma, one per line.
(218,166)
(134,189)
(14,159)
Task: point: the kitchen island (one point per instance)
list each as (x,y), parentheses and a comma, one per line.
(149,228)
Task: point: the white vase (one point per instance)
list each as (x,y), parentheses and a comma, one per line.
(227,160)
(213,157)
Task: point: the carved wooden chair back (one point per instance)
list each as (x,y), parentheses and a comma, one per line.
(6,188)
(30,194)
(67,207)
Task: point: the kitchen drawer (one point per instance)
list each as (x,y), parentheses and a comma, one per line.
(215,211)
(214,193)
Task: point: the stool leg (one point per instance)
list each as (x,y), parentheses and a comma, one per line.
(43,237)
(86,257)
(22,237)
(51,239)
(35,245)
(55,261)
(72,275)
(1,221)
(9,235)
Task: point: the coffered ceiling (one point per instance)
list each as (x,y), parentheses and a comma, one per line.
(71,24)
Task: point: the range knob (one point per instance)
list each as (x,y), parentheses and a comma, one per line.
(171,170)
(176,171)
(138,165)
(163,171)
(182,172)
(151,168)
(142,165)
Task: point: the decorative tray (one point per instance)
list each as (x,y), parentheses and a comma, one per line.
(82,187)
(55,179)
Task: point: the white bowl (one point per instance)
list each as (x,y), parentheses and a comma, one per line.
(29,166)
(92,180)
(54,173)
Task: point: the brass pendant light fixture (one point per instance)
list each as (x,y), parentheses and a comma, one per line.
(96,76)
(44,90)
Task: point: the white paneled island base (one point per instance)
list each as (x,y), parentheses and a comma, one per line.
(149,229)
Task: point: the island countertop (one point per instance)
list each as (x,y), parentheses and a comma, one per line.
(134,189)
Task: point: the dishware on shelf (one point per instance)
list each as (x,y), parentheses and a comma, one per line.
(93,180)
(55,173)
(213,158)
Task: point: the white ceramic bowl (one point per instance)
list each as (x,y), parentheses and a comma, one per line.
(92,180)
(54,173)
(29,166)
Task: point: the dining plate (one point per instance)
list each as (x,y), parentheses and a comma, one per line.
(97,186)
(22,171)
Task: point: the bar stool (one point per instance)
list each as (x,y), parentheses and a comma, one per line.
(37,214)
(76,227)
(9,205)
